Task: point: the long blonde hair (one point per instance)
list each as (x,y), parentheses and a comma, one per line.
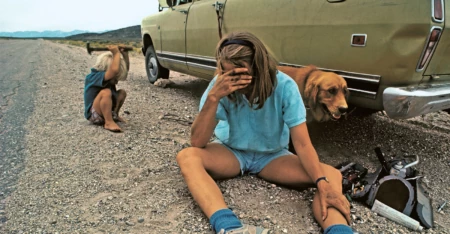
(239,47)
(105,59)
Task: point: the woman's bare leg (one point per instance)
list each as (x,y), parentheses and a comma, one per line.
(288,171)
(103,105)
(200,166)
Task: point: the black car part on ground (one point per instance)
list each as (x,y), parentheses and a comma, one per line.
(395,183)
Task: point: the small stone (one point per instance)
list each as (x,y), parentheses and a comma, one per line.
(285,230)
(140,219)
(53,222)
(129,223)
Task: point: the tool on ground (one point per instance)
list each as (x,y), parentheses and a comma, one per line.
(396,216)
(90,49)
(441,206)
(395,183)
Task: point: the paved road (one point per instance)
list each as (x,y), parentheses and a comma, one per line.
(18,60)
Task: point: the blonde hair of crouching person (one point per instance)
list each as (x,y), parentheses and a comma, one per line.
(102,100)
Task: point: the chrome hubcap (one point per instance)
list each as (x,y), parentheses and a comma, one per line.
(153,66)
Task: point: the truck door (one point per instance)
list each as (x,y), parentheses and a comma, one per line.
(202,35)
(172,29)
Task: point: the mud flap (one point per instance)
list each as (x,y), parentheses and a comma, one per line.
(423,211)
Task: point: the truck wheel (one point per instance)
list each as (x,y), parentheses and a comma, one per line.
(152,66)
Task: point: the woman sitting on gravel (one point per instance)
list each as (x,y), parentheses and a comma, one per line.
(253,109)
(102,101)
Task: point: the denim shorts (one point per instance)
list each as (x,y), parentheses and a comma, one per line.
(96,118)
(251,162)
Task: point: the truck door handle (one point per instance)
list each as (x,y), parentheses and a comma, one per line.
(218,5)
(331,1)
(184,11)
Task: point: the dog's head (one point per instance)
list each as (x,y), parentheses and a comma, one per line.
(326,94)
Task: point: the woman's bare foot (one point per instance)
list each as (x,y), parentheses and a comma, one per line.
(113,127)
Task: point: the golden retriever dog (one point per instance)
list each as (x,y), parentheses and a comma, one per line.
(325,93)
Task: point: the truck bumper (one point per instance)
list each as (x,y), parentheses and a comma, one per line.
(408,102)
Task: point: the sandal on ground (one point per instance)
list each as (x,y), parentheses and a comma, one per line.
(247,229)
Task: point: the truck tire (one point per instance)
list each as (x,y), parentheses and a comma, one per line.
(152,66)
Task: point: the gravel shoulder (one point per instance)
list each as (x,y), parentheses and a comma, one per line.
(80,178)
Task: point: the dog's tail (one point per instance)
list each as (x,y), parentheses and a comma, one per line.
(308,70)
(297,73)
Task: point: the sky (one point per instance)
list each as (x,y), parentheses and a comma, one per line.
(91,15)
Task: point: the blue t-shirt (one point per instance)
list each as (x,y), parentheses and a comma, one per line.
(93,84)
(264,130)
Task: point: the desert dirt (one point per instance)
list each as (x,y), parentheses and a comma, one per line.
(80,178)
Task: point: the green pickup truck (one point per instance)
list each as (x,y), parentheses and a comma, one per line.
(394,54)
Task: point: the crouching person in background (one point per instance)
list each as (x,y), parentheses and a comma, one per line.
(253,109)
(102,101)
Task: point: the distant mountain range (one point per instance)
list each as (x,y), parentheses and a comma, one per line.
(25,34)
(132,33)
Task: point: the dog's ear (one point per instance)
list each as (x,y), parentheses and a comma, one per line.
(312,91)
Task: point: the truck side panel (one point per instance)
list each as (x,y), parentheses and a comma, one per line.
(318,32)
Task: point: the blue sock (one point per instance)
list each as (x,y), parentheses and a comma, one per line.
(338,229)
(224,219)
